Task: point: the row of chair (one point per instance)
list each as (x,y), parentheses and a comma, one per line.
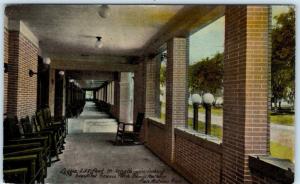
(102,106)
(29,146)
(75,109)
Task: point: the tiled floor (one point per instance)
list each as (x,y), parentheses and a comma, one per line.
(90,157)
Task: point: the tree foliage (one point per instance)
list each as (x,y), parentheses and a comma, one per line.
(207,75)
(162,74)
(283,57)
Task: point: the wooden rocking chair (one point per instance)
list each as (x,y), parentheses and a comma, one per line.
(125,136)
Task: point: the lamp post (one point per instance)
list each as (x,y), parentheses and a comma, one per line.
(196,99)
(208,99)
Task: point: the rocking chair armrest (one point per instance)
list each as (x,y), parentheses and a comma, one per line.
(41,138)
(50,128)
(20,158)
(35,134)
(57,123)
(22,146)
(31,151)
(123,123)
(46,132)
(15,171)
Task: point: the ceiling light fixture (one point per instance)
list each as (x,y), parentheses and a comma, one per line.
(61,73)
(104,11)
(46,61)
(99,43)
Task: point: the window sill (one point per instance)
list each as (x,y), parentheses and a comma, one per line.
(203,140)
(156,121)
(201,135)
(281,170)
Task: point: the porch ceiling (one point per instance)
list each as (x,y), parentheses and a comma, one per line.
(71,30)
(68,32)
(90,79)
(90,84)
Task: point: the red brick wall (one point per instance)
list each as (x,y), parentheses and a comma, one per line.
(28,59)
(115,108)
(245,124)
(12,87)
(156,138)
(51,90)
(6,37)
(22,89)
(152,69)
(197,159)
(139,89)
(176,89)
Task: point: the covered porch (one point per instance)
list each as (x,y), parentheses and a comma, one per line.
(114,60)
(94,150)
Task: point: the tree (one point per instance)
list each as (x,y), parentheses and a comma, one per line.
(207,75)
(283,57)
(162,74)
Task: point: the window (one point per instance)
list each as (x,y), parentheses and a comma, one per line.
(206,48)
(282,114)
(89,95)
(162,84)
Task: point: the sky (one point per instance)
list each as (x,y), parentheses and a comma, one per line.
(210,40)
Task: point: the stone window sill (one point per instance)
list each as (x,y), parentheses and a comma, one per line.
(280,170)
(201,139)
(156,121)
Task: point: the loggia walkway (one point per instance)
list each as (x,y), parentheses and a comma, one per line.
(91,157)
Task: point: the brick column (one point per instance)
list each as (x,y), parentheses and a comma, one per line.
(176,90)
(22,56)
(139,89)
(140,95)
(94,95)
(59,96)
(51,90)
(152,86)
(64,95)
(124,97)
(246,62)
(6,37)
(117,95)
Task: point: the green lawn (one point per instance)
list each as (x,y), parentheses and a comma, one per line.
(214,110)
(277,150)
(283,119)
(215,129)
(280,151)
(162,116)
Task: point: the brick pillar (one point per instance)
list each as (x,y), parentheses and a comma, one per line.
(124,97)
(64,95)
(176,90)
(94,95)
(152,86)
(105,93)
(6,45)
(51,90)
(22,56)
(246,62)
(59,95)
(139,89)
(140,95)
(117,95)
